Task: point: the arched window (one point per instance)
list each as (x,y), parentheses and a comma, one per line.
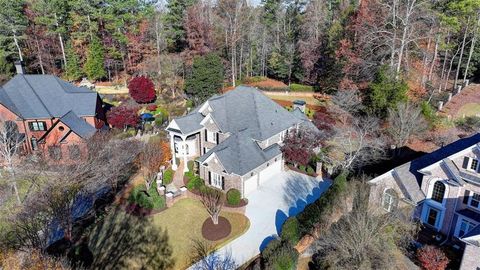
(390,200)
(438,192)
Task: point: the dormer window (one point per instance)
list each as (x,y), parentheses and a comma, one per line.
(211,137)
(473,164)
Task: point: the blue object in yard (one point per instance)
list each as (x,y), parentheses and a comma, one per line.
(147,117)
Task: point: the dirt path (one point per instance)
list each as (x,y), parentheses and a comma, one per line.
(471,94)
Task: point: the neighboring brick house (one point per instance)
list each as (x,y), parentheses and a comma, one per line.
(236,137)
(51,114)
(444,189)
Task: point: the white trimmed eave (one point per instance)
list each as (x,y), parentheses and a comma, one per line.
(212,156)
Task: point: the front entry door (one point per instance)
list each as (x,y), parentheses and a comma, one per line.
(432,216)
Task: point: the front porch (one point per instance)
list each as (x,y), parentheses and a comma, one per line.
(184,148)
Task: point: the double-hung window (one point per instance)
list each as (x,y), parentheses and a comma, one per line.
(216,180)
(464,227)
(475,200)
(37,126)
(211,137)
(474,164)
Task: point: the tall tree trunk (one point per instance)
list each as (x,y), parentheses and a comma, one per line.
(60,39)
(461,54)
(15,40)
(39,55)
(450,69)
(444,63)
(394,38)
(435,54)
(472,48)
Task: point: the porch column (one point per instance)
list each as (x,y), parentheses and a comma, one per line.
(185,167)
(172,148)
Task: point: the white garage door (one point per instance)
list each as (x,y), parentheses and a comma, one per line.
(249,185)
(270,171)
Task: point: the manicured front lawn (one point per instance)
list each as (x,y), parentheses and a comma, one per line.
(469,109)
(183,222)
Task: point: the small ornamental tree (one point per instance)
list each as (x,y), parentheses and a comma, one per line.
(324,121)
(299,146)
(122,116)
(432,258)
(142,90)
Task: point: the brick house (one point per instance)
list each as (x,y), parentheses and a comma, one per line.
(235,138)
(444,189)
(51,114)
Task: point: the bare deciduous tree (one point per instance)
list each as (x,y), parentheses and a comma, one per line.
(404,121)
(356,144)
(365,238)
(213,201)
(10,143)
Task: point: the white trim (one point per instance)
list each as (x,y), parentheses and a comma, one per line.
(216,179)
(215,157)
(431,184)
(205,106)
(173,125)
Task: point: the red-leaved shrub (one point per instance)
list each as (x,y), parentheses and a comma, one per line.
(152,107)
(122,116)
(432,258)
(141,89)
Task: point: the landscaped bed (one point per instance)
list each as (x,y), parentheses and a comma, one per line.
(183,222)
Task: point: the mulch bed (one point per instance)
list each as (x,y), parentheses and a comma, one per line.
(242,203)
(216,232)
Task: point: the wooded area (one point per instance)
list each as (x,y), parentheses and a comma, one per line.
(329,44)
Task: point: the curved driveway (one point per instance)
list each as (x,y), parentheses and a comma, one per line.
(284,195)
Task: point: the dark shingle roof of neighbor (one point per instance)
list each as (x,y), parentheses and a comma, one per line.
(78,125)
(249,116)
(408,175)
(46,96)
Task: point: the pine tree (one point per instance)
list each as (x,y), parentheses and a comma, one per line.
(73,70)
(174,19)
(94,66)
(206,78)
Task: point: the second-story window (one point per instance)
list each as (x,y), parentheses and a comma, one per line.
(438,192)
(37,126)
(475,200)
(211,137)
(474,164)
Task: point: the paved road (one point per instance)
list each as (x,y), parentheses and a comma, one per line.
(284,195)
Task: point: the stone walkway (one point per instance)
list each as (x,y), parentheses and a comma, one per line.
(178,176)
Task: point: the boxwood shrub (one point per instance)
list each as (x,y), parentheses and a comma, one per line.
(290,231)
(195,183)
(234,196)
(168,176)
(279,255)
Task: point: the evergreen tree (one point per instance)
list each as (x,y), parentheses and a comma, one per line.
(174,19)
(385,92)
(13,23)
(73,70)
(206,78)
(94,66)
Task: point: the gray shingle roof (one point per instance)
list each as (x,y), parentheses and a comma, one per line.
(249,116)
(46,96)
(190,122)
(240,154)
(78,125)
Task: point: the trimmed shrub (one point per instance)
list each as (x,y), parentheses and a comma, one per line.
(317,212)
(190,165)
(302,168)
(168,176)
(310,170)
(290,231)
(234,196)
(295,87)
(195,183)
(279,255)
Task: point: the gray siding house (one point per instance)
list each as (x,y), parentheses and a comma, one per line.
(235,138)
(444,189)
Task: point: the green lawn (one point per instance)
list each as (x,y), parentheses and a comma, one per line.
(183,222)
(9,205)
(469,109)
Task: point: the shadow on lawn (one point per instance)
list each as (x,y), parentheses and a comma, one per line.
(121,240)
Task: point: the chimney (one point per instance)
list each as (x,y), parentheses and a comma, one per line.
(19,67)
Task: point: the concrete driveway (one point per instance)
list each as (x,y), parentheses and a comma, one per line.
(285,194)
